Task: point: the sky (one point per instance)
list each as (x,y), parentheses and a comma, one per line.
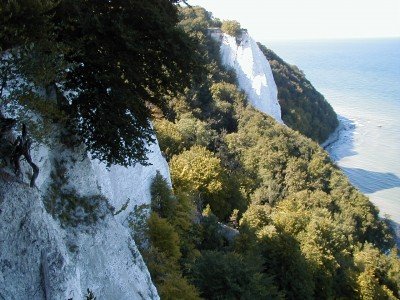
(310,19)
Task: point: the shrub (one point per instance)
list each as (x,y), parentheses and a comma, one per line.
(163,202)
(231,27)
(169,137)
(198,170)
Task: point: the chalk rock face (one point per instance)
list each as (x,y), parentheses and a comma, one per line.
(44,257)
(130,185)
(124,187)
(253,71)
(39,259)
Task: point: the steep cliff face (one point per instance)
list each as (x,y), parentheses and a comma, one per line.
(253,71)
(124,187)
(41,260)
(71,233)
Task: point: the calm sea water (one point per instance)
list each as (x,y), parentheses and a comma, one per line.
(361,80)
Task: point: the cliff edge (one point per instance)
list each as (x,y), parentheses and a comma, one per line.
(252,69)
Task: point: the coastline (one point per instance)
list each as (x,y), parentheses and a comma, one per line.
(343,135)
(360,80)
(334,136)
(345,125)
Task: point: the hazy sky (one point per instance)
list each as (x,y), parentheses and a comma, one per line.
(308,19)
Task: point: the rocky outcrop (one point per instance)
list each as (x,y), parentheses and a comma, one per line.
(252,69)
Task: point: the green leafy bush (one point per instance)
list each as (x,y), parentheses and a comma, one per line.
(164,242)
(231,27)
(197,169)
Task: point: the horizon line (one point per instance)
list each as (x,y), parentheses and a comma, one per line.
(332,38)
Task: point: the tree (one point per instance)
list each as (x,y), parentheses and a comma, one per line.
(296,175)
(231,27)
(378,276)
(163,237)
(110,59)
(163,255)
(229,276)
(194,131)
(167,277)
(212,238)
(24,21)
(169,137)
(177,287)
(228,102)
(163,202)
(283,258)
(197,170)
(256,217)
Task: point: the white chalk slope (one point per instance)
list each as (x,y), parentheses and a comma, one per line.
(39,259)
(253,72)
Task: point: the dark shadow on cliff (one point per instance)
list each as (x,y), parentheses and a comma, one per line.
(341,143)
(370,182)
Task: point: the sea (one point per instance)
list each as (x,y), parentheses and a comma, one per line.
(360,78)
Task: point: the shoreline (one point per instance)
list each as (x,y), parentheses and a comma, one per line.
(345,124)
(339,135)
(334,136)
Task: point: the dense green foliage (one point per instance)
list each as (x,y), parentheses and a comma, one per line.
(229,276)
(106,61)
(197,169)
(166,242)
(231,27)
(304,231)
(303,108)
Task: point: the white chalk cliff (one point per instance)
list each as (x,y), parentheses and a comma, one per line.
(42,258)
(252,69)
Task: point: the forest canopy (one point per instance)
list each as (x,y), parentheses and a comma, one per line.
(302,230)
